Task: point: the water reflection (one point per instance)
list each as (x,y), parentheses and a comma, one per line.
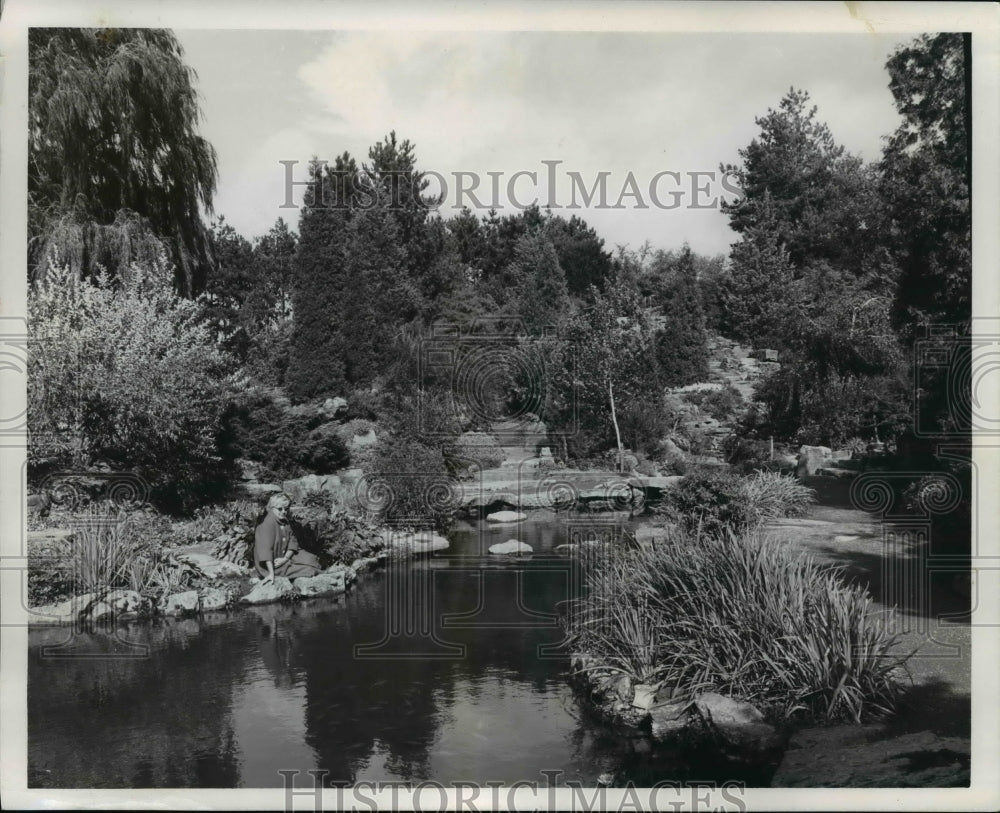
(230,699)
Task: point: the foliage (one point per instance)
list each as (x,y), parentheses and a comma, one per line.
(681,344)
(481,448)
(712,501)
(411,484)
(741,615)
(288,442)
(127,372)
(542,299)
(723,404)
(604,366)
(926,179)
(112,136)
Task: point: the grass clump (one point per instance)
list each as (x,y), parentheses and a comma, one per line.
(739,614)
(715,500)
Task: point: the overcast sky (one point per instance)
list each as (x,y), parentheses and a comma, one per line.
(504,102)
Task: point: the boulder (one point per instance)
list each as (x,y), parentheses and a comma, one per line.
(811,460)
(738,723)
(213,598)
(644,695)
(333,407)
(182,603)
(321,584)
(212,568)
(364,565)
(261,490)
(506,516)
(64,612)
(298,488)
(512,547)
(278,590)
(414,542)
(668,719)
(352,476)
(362,441)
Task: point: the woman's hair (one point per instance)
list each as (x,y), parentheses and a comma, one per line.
(278,499)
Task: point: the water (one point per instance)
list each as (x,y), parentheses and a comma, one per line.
(459,678)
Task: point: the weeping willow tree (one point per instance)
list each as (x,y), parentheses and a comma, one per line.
(116,168)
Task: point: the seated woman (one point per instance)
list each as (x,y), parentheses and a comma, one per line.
(275,551)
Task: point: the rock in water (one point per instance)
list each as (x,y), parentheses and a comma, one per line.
(281,588)
(321,584)
(739,723)
(668,719)
(212,598)
(212,568)
(182,603)
(512,547)
(506,516)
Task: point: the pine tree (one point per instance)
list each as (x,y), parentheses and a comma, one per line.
(681,346)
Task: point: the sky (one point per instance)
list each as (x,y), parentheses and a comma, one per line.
(503,102)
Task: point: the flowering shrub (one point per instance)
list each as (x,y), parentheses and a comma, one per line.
(127,372)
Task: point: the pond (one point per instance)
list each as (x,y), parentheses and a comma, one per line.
(445,668)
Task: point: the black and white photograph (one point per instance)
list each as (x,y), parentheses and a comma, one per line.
(563,406)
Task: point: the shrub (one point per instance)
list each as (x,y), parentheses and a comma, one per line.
(741,615)
(287,442)
(127,372)
(481,448)
(770,495)
(411,484)
(714,500)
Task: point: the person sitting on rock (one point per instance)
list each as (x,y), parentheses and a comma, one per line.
(275,551)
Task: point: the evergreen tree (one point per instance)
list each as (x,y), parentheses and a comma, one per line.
(681,345)
(319,339)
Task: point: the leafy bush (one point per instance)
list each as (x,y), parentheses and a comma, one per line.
(481,448)
(127,372)
(707,499)
(723,404)
(287,442)
(771,495)
(741,615)
(713,500)
(411,484)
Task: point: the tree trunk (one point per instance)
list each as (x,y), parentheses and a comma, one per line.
(614,420)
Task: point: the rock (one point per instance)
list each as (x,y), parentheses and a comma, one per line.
(364,565)
(182,603)
(512,547)
(668,719)
(278,590)
(739,723)
(864,757)
(644,695)
(363,441)
(214,598)
(723,710)
(333,406)
(769,355)
(212,568)
(117,604)
(298,488)
(321,584)
(418,542)
(352,476)
(260,490)
(545,453)
(566,549)
(811,460)
(506,516)
(63,612)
